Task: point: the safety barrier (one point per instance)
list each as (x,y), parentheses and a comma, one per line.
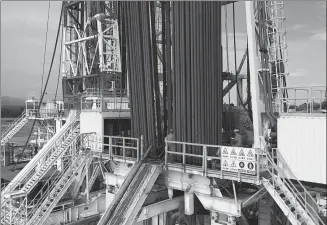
(303,99)
(117,147)
(213,158)
(105,100)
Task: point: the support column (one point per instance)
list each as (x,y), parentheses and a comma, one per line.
(257,104)
(189,203)
(264,215)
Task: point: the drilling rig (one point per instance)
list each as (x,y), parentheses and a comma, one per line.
(141,135)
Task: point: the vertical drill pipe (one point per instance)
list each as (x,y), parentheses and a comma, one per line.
(182,70)
(131,67)
(168,65)
(148,70)
(146,117)
(155,74)
(164,66)
(188,100)
(191,18)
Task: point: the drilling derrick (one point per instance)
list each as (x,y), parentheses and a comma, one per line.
(142,137)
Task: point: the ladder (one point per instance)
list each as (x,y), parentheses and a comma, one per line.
(296,202)
(133,198)
(13,128)
(277,47)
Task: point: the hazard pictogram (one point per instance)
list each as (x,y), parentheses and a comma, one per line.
(250,166)
(233,152)
(241,153)
(225,151)
(233,164)
(250,154)
(225,163)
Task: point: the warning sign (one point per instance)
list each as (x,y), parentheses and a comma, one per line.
(225,151)
(250,168)
(236,159)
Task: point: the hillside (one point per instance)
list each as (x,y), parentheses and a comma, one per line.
(9,101)
(11,107)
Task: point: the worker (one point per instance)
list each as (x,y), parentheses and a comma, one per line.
(171,146)
(237,140)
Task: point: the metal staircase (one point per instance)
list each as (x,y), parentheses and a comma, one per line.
(41,163)
(131,201)
(42,209)
(13,128)
(290,195)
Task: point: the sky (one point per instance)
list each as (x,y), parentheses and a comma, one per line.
(23,34)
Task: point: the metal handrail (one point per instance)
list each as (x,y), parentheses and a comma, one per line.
(280,157)
(297,195)
(13,124)
(123,146)
(310,97)
(78,158)
(204,155)
(72,127)
(51,145)
(44,193)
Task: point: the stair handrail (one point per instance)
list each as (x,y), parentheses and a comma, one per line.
(13,124)
(22,205)
(297,195)
(77,159)
(39,202)
(280,157)
(81,137)
(50,144)
(48,154)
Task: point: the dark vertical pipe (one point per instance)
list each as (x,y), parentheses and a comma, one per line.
(168,46)
(155,74)
(164,66)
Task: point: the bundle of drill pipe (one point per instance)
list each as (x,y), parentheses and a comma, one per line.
(138,19)
(196,81)
(197,68)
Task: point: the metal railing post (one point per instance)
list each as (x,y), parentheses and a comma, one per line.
(124,153)
(258,164)
(142,146)
(110,147)
(184,150)
(205,160)
(166,153)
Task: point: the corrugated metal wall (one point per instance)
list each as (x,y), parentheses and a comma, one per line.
(197,69)
(302,143)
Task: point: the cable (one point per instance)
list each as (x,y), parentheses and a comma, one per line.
(227,55)
(45,45)
(62,35)
(46,84)
(236,73)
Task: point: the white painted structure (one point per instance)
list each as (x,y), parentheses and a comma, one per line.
(302,143)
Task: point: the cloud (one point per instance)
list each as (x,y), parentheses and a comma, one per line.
(319,35)
(297,27)
(299,73)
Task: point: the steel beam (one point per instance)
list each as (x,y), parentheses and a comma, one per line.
(189,203)
(221,204)
(159,208)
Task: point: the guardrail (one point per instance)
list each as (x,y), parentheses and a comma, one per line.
(117,147)
(211,158)
(45,113)
(105,100)
(303,99)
